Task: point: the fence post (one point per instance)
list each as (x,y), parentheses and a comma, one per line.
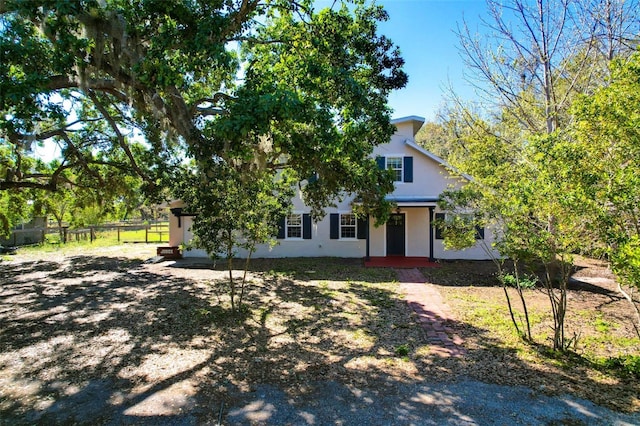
(146,234)
(64,235)
(118,228)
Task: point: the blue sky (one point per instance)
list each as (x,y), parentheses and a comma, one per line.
(425,32)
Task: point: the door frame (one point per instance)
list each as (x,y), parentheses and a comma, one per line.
(404,230)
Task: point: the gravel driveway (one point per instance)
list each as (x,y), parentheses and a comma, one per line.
(460,403)
(465,402)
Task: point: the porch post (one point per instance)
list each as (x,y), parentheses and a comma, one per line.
(367,240)
(431,210)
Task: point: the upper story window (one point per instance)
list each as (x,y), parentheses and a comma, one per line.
(348,225)
(293,226)
(395,164)
(402,167)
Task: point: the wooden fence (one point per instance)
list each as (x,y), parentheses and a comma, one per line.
(125,233)
(153,233)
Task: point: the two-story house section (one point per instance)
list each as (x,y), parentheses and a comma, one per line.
(420,178)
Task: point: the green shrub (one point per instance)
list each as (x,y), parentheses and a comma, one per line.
(402,350)
(526,281)
(626,364)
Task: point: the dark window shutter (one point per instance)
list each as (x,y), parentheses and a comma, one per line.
(362,228)
(306,226)
(440,218)
(408,169)
(281,229)
(381,163)
(334,226)
(479,233)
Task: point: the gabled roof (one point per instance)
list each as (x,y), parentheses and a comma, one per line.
(435,158)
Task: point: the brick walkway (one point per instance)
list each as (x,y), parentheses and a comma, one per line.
(432,312)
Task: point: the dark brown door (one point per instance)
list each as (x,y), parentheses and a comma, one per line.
(395,235)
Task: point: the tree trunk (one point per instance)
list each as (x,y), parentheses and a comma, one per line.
(634,306)
(244,276)
(232,284)
(523,301)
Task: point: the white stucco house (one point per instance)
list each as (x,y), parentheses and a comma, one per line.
(420,179)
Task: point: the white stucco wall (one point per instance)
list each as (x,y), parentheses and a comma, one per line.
(430,178)
(417,232)
(176,235)
(320,244)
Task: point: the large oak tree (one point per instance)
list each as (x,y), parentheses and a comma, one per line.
(269,84)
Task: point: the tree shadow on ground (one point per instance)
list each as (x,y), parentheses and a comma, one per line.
(302,268)
(124,343)
(554,372)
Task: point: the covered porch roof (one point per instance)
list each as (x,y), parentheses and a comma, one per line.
(413,201)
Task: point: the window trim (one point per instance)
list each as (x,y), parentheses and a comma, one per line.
(401,169)
(287,226)
(341,226)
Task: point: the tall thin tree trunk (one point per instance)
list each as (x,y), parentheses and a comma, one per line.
(232,285)
(244,276)
(523,301)
(629,298)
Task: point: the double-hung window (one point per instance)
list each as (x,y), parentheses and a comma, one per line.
(293,226)
(296,226)
(401,166)
(348,225)
(395,164)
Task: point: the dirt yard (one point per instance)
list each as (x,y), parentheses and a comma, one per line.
(100,335)
(598,320)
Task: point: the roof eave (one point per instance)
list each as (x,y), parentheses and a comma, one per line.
(437,159)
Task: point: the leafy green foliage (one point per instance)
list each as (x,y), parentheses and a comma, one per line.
(526,282)
(241,90)
(14,209)
(229,202)
(607,134)
(628,365)
(237,209)
(402,350)
(313,89)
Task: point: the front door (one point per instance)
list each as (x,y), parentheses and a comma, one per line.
(395,235)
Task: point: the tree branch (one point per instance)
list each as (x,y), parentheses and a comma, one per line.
(195,107)
(239,18)
(104,85)
(81,159)
(120,138)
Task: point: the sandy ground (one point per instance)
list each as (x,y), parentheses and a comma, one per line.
(98,337)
